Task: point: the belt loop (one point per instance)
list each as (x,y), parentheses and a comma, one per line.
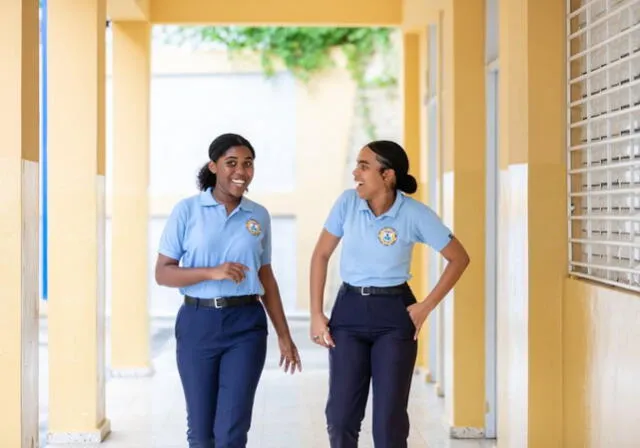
(197,304)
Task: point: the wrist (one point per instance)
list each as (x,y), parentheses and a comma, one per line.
(428,304)
(283,334)
(211,273)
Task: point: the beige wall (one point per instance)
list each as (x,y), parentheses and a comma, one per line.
(601,364)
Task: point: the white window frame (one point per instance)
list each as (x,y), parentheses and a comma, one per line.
(603,135)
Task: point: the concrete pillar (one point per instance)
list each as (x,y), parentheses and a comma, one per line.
(77,221)
(532,260)
(19,223)
(130,219)
(413,80)
(463,185)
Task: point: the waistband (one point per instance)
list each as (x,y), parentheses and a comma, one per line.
(222,302)
(378,290)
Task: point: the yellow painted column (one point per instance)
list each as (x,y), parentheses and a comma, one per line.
(464,211)
(412,96)
(130,219)
(417,16)
(19,223)
(533,222)
(77,221)
(423,187)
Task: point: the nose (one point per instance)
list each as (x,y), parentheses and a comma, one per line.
(240,169)
(355,170)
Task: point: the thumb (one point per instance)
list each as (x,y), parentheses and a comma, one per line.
(415,337)
(328,339)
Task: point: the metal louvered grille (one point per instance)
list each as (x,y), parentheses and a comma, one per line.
(603,67)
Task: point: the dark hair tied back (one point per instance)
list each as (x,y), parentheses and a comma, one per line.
(407,183)
(391,155)
(217,148)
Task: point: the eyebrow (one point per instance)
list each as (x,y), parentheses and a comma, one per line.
(363,161)
(236,158)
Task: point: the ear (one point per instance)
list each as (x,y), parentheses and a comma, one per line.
(388,175)
(212,167)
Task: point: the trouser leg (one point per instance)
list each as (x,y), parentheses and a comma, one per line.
(240,370)
(349,375)
(198,364)
(393,358)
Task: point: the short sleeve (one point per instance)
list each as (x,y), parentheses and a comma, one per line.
(335,221)
(430,229)
(266,241)
(172,239)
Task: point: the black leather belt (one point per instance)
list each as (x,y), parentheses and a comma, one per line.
(221,302)
(378,290)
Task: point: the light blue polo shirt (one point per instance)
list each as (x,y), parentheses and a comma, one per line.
(376,251)
(199,234)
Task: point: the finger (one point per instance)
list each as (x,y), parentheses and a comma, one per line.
(237,273)
(415,338)
(294,360)
(239,266)
(327,339)
(238,270)
(320,338)
(286,365)
(293,366)
(230,273)
(281,360)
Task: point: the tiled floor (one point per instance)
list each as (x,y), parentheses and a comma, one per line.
(289,410)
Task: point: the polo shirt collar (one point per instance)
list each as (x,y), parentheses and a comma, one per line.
(207,200)
(392,212)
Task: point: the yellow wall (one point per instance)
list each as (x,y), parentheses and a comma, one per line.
(532,223)
(76,185)
(601,366)
(19,223)
(463,207)
(130,218)
(282,12)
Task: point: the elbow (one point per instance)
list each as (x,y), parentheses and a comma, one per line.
(159,277)
(319,258)
(464,261)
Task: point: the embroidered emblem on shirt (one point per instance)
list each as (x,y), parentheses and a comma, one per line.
(253,227)
(387,236)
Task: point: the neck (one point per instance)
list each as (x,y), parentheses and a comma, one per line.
(230,202)
(382,202)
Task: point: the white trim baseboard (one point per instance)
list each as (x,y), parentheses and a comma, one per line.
(466,432)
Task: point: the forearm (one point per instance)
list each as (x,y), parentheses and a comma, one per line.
(273,305)
(318,279)
(448,279)
(178,277)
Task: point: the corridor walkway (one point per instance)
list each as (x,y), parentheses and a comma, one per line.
(289,410)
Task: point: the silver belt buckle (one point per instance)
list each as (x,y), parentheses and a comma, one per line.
(364,292)
(215,303)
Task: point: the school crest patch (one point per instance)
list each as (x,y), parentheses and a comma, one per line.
(388,236)
(253,227)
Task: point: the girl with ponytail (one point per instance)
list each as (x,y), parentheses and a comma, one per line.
(376,319)
(216,248)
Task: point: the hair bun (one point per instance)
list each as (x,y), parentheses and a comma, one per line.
(407,184)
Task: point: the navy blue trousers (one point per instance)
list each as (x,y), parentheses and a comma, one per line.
(220,355)
(374,346)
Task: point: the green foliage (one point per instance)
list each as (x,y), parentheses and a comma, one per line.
(306,51)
